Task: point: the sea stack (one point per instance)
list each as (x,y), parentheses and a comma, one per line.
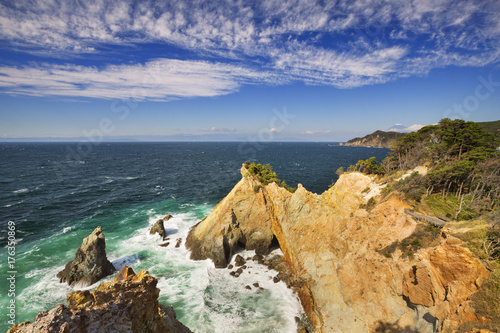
(159,228)
(90,263)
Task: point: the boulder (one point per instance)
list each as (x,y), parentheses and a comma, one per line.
(239,261)
(127,304)
(167,217)
(158,228)
(90,263)
(124,274)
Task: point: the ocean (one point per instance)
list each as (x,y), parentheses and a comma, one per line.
(56,194)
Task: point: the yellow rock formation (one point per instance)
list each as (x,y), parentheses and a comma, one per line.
(331,243)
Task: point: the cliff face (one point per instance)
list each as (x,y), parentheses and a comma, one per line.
(379,139)
(127,304)
(331,245)
(243,217)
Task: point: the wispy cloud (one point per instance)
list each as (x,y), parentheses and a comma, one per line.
(162,79)
(343,43)
(218,130)
(316,132)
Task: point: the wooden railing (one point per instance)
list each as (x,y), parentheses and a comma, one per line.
(432,220)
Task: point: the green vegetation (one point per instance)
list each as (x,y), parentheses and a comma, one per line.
(377,139)
(411,186)
(482,237)
(442,145)
(463,181)
(368,166)
(462,187)
(266,175)
(491,126)
(486,301)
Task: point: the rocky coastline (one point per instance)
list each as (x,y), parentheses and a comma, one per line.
(129,303)
(334,257)
(332,245)
(378,139)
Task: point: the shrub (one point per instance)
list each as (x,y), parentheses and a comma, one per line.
(411,187)
(256,188)
(368,166)
(266,175)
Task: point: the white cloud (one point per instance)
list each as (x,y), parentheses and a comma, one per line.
(162,79)
(401,128)
(316,132)
(345,43)
(218,130)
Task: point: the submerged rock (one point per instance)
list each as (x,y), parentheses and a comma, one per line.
(127,304)
(239,261)
(158,228)
(90,263)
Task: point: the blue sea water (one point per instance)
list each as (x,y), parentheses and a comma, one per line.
(58,193)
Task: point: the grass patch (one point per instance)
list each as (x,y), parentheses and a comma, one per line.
(439,206)
(448,206)
(411,188)
(472,233)
(486,302)
(425,235)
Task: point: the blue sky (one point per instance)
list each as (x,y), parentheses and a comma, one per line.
(238,70)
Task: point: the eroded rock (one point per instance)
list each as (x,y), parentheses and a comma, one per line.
(330,248)
(443,280)
(239,261)
(127,304)
(90,263)
(242,219)
(158,228)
